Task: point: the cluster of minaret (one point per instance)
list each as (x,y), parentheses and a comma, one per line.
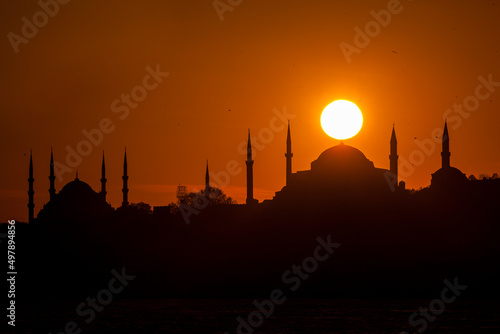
(52,188)
(445,151)
(250,199)
(393,160)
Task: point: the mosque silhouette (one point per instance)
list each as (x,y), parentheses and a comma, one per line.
(339,172)
(394,241)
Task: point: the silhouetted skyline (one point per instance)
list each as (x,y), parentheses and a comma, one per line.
(208,80)
(169,166)
(339,170)
(391,242)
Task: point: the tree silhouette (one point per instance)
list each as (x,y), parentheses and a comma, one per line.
(141,208)
(215,197)
(173,208)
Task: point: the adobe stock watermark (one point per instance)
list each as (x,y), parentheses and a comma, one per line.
(436,306)
(454,117)
(222,6)
(221,179)
(372,29)
(293,278)
(30,28)
(121,107)
(103,298)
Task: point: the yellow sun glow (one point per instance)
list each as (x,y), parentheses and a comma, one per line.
(341,119)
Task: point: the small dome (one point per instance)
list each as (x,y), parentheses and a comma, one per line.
(342,156)
(449,176)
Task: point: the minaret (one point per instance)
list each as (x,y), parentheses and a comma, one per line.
(249,162)
(52,189)
(125,181)
(288,155)
(31,192)
(393,158)
(207,183)
(103,179)
(445,152)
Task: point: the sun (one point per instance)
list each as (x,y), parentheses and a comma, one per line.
(341,119)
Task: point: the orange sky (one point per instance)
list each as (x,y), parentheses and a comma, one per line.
(227,76)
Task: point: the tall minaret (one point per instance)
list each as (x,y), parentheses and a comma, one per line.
(125,181)
(31,192)
(249,162)
(52,189)
(288,155)
(393,158)
(207,183)
(445,152)
(103,179)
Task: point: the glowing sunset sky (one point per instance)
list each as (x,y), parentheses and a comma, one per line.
(226,76)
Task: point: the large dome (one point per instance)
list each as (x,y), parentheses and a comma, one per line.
(76,202)
(342,156)
(76,187)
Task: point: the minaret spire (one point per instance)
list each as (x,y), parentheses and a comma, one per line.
(445,152)
(125,181)
(52,189)
(31,192)
(393,157)
(288,155)
(103,178)
(249,162)
(207,183)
